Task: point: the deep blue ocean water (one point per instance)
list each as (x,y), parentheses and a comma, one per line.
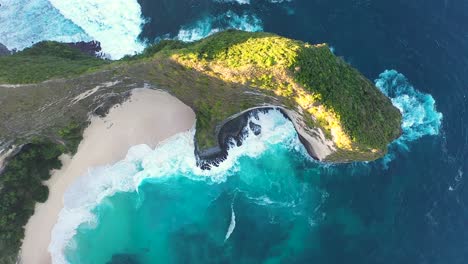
(270,203)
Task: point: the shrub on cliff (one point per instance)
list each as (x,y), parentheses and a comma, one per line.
(347,106)
(21,184)
(44,61)
(21,187)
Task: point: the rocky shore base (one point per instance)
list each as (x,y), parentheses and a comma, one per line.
(235,130)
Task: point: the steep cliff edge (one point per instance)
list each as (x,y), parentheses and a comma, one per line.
(48,92)
(220,76)
(327,99)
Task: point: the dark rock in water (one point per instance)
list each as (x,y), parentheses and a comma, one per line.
(124,259)
(4,50)
(257,129)
(92,48)
(234,131)
(210,157)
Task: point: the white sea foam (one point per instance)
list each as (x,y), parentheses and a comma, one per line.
(176,157)
(25,22)
(232,225)
(209,25)
(420,116)
(116,24)
(172,157)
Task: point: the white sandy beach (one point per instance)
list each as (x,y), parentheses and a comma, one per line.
(148,117)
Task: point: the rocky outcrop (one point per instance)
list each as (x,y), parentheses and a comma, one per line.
(92,48)
(234,129)
(313,139)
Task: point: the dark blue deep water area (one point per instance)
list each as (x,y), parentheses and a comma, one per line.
(416,210)
(269,202)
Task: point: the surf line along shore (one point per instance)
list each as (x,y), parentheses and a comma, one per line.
(147,117)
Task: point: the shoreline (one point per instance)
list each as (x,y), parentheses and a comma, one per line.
(147,117)
(119,130)
(317,146)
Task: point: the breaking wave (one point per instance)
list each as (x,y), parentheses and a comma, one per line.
(209,25)
(420,116)
(172,157)
(116,24)
(175,157)
(18,32)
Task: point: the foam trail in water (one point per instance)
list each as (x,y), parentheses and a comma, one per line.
(209,25)
(420,117)
(18,32)
(232,225)
(171,158)
(116,24)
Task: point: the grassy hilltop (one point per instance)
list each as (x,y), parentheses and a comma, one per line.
(218,77)
(46,60)
(338,98)
(333,95)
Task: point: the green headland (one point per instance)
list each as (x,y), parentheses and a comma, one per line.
(338,113)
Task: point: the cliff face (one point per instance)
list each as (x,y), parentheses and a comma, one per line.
(329,102)
(47,93)
(338,114)
(233,128)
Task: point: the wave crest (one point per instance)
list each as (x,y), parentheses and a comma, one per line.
(25,22)
(209,25)
(116,24)
(420,116)
(172,157)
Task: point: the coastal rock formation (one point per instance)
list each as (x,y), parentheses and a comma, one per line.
(50,91)
(233,129)
(339,115)
(91,48)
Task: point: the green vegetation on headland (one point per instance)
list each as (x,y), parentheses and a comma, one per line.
(218,77)
(343,102)
(231,71)
(21,185)
(46,60)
